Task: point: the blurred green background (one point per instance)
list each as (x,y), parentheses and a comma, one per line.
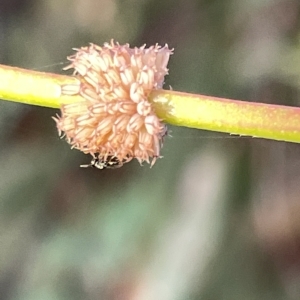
(217,218)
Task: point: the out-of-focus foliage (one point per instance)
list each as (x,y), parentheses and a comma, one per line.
(216,218)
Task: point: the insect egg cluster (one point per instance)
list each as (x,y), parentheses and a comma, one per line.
(115,121)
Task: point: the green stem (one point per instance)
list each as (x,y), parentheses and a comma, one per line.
(32,87)
(196,111)
(224,115)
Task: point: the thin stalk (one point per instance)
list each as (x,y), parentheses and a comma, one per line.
(182,109)
(268,121)
(35,88)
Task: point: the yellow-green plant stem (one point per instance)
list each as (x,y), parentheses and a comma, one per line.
(182,109)
(35,88)
(268,121)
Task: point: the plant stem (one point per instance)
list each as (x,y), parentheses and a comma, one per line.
(268,121)
(190,110)
(35,88)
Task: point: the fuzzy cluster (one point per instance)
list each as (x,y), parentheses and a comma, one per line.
(115,119)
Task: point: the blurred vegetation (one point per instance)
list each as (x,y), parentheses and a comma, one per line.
(216,218)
